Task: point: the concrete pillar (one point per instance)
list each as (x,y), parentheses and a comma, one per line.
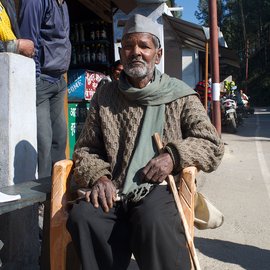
(19,229)
(18,138)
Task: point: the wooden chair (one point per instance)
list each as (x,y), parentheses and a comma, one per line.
(61,194)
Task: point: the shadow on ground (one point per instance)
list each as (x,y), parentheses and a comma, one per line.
(248,257)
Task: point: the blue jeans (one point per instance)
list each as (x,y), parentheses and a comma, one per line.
(51,124)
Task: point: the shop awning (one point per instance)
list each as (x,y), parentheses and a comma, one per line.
(195,36)
(103,8)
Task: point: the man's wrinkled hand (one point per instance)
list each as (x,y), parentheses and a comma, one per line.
(103,193)
(157,169)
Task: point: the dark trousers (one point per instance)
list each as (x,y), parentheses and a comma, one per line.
(151,230)
(51,124)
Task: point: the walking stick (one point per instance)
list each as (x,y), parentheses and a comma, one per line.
(172,185)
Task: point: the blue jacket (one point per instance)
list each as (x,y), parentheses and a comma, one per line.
(46,23)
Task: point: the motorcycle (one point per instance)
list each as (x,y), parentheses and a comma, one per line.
(228,114)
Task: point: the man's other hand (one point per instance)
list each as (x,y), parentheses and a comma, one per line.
(103,193)
(157,169)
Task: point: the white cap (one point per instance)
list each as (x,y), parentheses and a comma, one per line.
(140,24)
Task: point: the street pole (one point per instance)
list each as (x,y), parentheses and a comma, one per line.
(206,76)
(215,65)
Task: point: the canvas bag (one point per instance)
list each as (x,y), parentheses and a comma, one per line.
(207,216)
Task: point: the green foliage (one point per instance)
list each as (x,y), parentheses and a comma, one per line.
(203,12)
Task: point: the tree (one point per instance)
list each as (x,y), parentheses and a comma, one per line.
(202,13)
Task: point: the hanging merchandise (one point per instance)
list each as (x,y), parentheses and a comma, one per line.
(92,34)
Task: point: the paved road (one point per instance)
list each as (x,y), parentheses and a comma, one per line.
(240,188)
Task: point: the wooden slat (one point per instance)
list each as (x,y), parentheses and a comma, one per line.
(101,7)
(126,5)
(185,192)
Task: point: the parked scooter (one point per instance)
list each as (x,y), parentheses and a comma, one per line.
(228,114)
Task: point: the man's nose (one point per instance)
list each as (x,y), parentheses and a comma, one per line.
(136,51)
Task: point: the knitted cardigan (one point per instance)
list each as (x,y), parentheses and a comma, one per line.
(109,136)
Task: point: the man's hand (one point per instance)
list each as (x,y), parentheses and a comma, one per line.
(26,47)
(103,193)
(158,168)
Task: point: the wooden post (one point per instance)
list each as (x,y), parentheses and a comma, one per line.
(206,76)
(66,113)
(215,65)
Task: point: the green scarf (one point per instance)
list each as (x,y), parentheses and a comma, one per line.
(154,96)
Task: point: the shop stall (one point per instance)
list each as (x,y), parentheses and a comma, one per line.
(91,35)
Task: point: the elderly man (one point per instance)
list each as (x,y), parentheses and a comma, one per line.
(127,209)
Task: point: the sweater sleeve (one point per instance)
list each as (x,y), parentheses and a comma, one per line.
(90,155)
(201,146)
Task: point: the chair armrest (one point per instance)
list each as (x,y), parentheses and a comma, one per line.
(60,195)
(60,187)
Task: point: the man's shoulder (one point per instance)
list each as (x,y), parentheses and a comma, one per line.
(107,87)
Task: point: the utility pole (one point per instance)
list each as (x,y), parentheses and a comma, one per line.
(215,64)
(246,42)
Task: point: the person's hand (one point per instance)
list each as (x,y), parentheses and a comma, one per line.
(26,47)
(103,193)
(157,169)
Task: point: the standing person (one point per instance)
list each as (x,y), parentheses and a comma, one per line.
(46,22)
(127,209)
(10,40)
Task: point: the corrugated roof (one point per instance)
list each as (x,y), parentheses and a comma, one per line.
(195,36)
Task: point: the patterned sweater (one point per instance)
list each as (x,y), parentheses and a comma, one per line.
(108,139)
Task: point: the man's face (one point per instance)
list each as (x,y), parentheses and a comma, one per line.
(139,55)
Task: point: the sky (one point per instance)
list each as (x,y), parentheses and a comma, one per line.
(189,9)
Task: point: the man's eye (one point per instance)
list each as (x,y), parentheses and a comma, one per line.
(145,46)
(127,46)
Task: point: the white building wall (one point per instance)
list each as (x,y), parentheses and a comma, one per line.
(190,66)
